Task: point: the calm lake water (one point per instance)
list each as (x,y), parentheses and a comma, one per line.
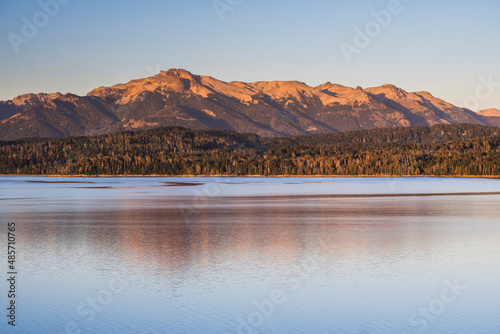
(253,255)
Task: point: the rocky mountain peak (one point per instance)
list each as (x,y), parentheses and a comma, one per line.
(489,112)
(28,100)
(268,108)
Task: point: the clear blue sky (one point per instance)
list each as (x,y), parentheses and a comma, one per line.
(442,46)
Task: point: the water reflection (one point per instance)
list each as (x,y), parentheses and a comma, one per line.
(343,265)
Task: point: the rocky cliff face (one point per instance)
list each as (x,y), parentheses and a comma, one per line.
(179,98)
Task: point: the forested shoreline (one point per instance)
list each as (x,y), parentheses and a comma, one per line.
(443,150)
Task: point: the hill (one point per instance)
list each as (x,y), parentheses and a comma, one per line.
(266,108)
(492,116)
(463,149)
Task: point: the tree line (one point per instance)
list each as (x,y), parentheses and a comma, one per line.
(451,150)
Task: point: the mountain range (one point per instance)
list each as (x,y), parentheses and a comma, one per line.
(267,108)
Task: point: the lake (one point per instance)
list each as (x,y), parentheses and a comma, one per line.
(253,255)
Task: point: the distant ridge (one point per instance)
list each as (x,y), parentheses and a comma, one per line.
(491,115)
(268,108)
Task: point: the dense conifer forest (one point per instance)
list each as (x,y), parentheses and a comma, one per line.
(460,150)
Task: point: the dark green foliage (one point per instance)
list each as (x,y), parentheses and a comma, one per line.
(462,149)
